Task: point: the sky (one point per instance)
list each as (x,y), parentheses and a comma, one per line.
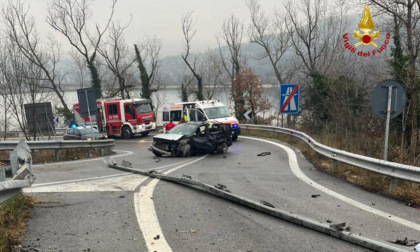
(162,19)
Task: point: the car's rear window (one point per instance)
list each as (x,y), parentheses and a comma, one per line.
(85,131)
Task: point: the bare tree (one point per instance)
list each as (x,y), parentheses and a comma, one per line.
(21,31)
(70,17)
(148,59)
(79,68)
(117,58)
(271,34)
(232,36)
(189,32)
(20,83)
(317,37)
(186,86)
(213,77)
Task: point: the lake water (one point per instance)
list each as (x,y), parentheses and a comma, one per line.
(165,98)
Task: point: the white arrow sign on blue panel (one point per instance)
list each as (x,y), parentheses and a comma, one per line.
(289,99)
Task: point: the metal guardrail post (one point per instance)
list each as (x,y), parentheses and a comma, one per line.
(335,165)
(56,155)
(2,173)
(393,185)
(21,167)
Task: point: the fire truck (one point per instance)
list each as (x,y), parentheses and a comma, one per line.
(123,118)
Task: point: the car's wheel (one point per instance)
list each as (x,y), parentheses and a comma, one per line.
(145,133)
(186,150)
(234,137)
(126,132)
(223,148)
(157,154)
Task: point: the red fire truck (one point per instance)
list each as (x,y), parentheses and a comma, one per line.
(123,118)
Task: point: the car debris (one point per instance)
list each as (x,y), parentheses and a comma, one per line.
(186,176)
(264,154)
(413,205)
(186,139)
(222,187)
(126,164)
(406,242)
(315,195)
(339,226)
(265,203)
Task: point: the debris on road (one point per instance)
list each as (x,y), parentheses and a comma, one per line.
(329,221)
(157,237)
(264,154)
(413,205)
(186,176)
(339,226)
(265,203)
(126,164)
(406,242)
(222,187)
(315,195)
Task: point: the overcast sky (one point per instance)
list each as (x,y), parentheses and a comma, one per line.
(162,18)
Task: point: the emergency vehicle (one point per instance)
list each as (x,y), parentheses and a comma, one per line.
(123,118)
(210,110)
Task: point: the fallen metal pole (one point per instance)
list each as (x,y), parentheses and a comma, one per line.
(294,218)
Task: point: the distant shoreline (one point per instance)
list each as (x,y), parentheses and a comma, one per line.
(73,88)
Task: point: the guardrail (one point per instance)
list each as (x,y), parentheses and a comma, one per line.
(391,169)
(57,145)
(9,188)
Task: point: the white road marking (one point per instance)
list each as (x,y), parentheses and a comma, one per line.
(298,173)
(161,167)
(117,182)
(125,182)
(86,160)
(147,217)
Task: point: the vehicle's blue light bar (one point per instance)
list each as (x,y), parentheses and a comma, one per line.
(234,125)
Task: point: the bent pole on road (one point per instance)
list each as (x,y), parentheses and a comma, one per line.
(220,191)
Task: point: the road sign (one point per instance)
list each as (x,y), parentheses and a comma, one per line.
(87,101)
(289,98)
(387,100)
(379,99)
(247,115)
(39,117)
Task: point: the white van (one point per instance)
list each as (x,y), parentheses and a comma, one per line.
(210,110)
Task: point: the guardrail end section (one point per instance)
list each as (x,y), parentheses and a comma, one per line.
(21,162)
(110,161)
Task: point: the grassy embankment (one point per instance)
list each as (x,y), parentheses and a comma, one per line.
(14,215)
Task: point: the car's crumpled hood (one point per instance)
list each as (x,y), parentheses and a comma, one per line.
(171,137)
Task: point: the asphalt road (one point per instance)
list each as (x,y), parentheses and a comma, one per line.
(86,206)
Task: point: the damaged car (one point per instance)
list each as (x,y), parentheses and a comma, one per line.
(187,139)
